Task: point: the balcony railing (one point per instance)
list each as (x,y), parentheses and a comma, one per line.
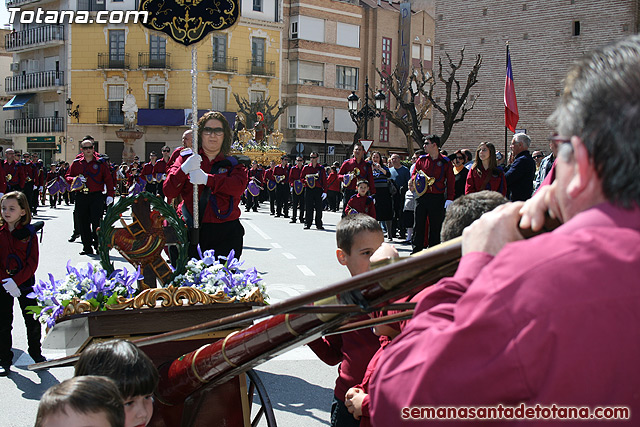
(33,37)
(34,125)
(152,60)
(224,64)
(110,116)
(113,61)
(31,81)
(261,68)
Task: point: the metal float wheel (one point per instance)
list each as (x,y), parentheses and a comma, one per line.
(255,387)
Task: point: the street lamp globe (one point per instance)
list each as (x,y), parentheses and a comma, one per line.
(325,124)
(379,98)
(353,101)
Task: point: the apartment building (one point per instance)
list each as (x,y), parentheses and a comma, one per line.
(70,80)
(331,48)
(544,38)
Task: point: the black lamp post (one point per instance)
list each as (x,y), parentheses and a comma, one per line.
(325,125)
(75,113)
(366,112)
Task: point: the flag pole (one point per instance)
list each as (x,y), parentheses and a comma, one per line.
(506,64)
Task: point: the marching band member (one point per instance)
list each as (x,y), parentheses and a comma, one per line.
(13,170)
(296,181)
(221,180)
(160,170)
(256,176)
(88,176)
(281,176)
(271,187)
(151,185)
(435,186)
(353,170)
(315,182)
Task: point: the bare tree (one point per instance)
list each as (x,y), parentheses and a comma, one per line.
(455,105)
(249,109)
(410,107)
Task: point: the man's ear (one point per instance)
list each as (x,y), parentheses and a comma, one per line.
(342,256)
(583,169)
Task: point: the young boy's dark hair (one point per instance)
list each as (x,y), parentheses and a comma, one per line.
(84,395)
(123,362)
(350,226)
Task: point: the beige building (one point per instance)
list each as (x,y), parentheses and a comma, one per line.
(544,38)
(330,49)
(6,59)
(70,80)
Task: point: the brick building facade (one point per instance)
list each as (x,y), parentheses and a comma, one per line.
(544,38)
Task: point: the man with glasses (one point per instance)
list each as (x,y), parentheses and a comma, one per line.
(94,175)
(315,182)
(297,190)
(546,164)
(552,319)
(435,197)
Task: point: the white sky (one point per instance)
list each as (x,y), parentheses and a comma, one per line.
(4,14)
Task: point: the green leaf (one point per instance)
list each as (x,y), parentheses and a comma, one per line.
(34,309)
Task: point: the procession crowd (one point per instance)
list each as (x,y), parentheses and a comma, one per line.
(520,322)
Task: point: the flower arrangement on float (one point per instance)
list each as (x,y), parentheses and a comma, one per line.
(88,288)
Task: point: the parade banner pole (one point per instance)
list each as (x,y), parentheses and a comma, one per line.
(194,128)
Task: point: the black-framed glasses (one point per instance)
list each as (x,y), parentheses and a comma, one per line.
(87,147)
(213,131)
(538,157)
(299,160)
(314,157)
(166,151)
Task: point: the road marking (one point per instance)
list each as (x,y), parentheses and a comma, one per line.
(276,245)
(289,256)
(305,270)
(264,235)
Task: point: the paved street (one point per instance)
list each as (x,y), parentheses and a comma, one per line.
(291,261)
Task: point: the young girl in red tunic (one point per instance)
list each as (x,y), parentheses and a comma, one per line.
(18,264)
(485,173)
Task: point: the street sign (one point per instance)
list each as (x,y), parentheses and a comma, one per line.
(300,147)
(366,143)
(331,150)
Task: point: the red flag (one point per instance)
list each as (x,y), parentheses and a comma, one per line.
(510,104)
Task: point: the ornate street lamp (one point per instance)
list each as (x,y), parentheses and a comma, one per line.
(367,112)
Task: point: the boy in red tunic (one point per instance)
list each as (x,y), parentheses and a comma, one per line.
(361,202)
(358,236)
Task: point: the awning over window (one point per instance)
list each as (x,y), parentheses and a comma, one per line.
(17,102)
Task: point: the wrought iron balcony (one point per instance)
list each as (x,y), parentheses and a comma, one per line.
(34,125)
(153,60)
(34,38)
(33,81)
(110,116)
(118,61)
(261,68)
(223,64)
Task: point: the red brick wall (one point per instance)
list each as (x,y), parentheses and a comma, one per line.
(542,45)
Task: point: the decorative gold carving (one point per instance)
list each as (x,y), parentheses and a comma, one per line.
(163,297)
